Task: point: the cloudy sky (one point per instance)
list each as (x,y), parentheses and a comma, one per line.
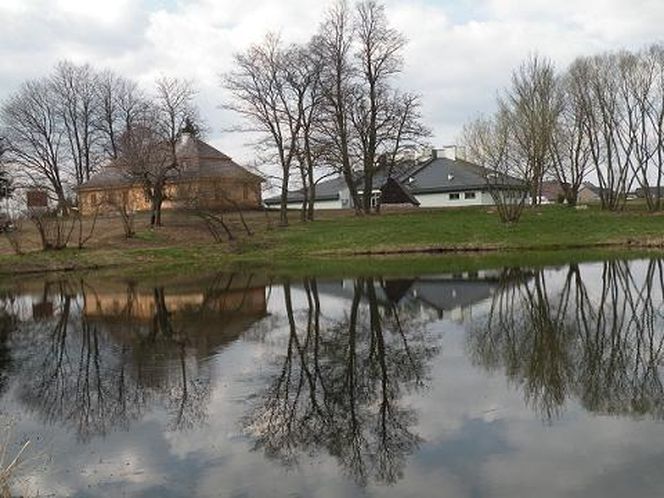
(460,51)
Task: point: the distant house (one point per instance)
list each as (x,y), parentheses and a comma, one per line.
(206,176)
(640,192)
(552,191)
(443,180)
(588,193)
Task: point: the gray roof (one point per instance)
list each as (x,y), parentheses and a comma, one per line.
(436,175)
(439,292)
(196,158)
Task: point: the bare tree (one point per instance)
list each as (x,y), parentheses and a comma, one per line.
(610,145)
(570,148)
(174,109)
(532,104)
(121,205)
(6,183)
(310,146)
(379,60)
(333,45)
(121,105)
(366,121)
(36,140)
(147,154)
(642,99)
(490,143)
(654,108)
(76,97)
(147,160)
(267,89)
(56,231)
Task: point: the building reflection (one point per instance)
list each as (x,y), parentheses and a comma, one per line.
(450,296)
(98,356)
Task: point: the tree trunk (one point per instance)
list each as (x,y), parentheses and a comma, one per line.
(366,195)
(155,216)
(158,213)
(311,190)
(305,195)
(283,209)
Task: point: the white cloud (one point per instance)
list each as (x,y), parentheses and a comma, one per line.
(459,55)
(104,13)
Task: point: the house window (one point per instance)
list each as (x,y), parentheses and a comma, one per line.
(469,195)
(454,196)
(93,199)
(245,192)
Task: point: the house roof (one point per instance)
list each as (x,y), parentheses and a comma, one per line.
(197,159)
(190,147)
(436,175)
(393,192)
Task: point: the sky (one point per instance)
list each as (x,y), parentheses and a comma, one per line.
(460,53)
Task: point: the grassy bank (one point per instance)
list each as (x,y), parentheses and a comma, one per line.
(544,228)
(338,242)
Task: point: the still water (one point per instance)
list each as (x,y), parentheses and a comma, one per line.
(506,382)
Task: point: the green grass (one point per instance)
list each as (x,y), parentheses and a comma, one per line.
(471,238)
(545,228)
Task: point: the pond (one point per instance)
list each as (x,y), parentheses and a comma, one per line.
(504,382)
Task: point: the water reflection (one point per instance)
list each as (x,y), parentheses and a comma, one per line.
(97,360)
(8,323)
(559,336)
(371,382)
(340,383)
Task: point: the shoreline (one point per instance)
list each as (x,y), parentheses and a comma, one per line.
(209,259)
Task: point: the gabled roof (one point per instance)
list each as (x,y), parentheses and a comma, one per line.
(435,175)
(393,192)
(196,159)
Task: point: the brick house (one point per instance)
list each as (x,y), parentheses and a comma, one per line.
(206,177)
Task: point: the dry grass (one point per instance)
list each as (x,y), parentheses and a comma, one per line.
(10,464)
(180,228)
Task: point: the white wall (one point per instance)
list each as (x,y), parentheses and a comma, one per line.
(426,201)
(334,204)
(443,200)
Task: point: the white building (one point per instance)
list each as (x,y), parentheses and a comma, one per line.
(442,180)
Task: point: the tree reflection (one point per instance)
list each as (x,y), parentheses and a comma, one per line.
(103,358)
(340,384)
(8,323)
(598,340)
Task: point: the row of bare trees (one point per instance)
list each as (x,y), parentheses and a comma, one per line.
(601,119)
(61,128)
(329,106)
